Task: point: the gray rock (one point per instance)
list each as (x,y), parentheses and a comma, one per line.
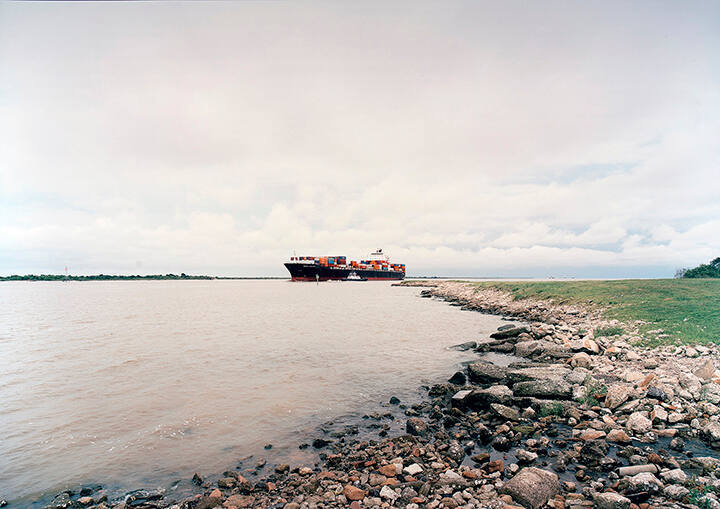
(675,476)
(464,347)
(549,388)
(644,483)
(610,500)
(712,431)
(461,399)
(510,332)
(505,411)
(481,399)
(557,371)
(485,372)
(541,349)
(675,492)
(638,423)
(616,395)
(388,493)
(532,487)
(705,371)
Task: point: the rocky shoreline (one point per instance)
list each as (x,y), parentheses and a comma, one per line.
(572,419)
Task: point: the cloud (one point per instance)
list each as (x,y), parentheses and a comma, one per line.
(463,138)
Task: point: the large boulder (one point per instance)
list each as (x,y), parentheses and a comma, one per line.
(552,388)
(486,372)
(537,373)
(706,370)
(532,487)
(481,399)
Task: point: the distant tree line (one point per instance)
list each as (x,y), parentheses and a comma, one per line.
(98,277)
(711,269)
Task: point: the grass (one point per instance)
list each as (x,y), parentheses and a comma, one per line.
(672,311)
(548,409)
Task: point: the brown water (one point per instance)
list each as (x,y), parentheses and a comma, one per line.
(140,382)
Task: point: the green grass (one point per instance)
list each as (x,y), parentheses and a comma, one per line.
(687,310)
(609,331)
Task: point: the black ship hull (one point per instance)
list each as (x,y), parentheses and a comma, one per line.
(314,272)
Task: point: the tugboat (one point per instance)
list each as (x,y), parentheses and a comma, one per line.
(336,268)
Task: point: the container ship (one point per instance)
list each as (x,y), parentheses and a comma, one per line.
(326,268)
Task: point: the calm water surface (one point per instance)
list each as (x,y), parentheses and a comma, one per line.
(138,382)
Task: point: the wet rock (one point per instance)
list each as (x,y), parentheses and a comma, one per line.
(532,487)
(501,443)
(353,492)
(485,372)
(197,480)
(549,388)
(455,452)
(140,497)
(712,431)
(61,501)
(416,426)
(509,332)
(505,411)
(642,486)
(463,347)
(396,401)
(319,443)
(461,399)
(525,457)
(610,500)
(458,378)
(638,423)
(616,395)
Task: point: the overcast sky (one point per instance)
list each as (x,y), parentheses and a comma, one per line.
(465,138)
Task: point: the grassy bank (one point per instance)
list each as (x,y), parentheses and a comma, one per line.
(687,310)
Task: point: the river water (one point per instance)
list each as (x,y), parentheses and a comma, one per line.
(137,383)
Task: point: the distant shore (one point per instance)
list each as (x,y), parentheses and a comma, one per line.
(568,408)
(110,277)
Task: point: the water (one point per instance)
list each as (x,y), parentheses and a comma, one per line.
(137,383)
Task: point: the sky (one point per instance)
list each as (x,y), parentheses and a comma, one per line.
(566,139)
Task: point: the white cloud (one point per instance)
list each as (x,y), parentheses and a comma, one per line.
(464,137)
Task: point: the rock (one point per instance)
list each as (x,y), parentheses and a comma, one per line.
(675,492)
(592,434)
(644,485)
(549,388)
(485,372)
(226,482)
(495,466)
(388,494)
(481,399)
(61,501)
(239,501)
(510,332)
(505,411)
(85,500)
(481,458)
(353,492)
(610,500)
(458,378)
(394,400)
(675,476)
(541,349)
(712,431)
(197,480)
(464,347)
(618,436)
(554,371)
(413,469)
(532,487)
(416,426)
(586,345)
(638,423)
(524,456)
(658,414)
(452,477)
(319,443)
(388,470)
(461,399)
(581,360)
(705,371)
(616,396)
(657,393)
